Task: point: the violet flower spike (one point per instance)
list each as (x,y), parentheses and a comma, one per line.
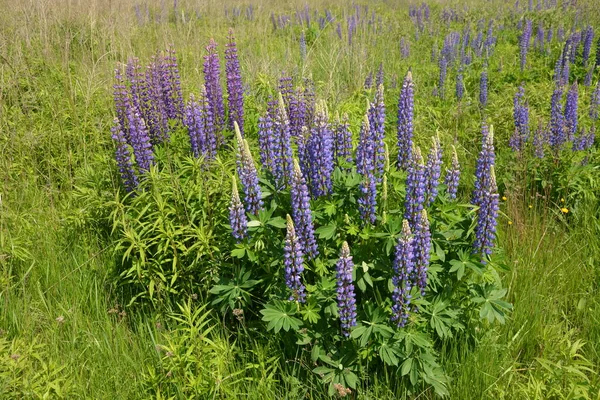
(452,176)
(123,158)
(345,290)
(422,248)
(237,214)
(293,261)
(404,269)
(235,91)
(405,122)
(301,212)
(416,186)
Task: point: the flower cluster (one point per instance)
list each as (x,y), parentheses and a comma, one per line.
(246,170)
(198,119)
(422,248)
(293,260)
(404,265)
(452,176)
(367,202)
(320,147)
(343,140)
(214,93)
(521,118)
(416,186)
(433,170)
(524,43)
(345,290)
(571,112)
(376,112)
(123,158)
(557,120)
(301,212)
(483,88)
(485,231)
(405,122)
(235,91)
(237,215)
(485,161)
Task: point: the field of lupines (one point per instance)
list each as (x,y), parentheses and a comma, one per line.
(304,200)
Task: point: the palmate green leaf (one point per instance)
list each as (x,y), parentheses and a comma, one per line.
(492,307)
(279,315)
(311,311)
(277,222)
(406,366)
(389,354)
(458,267)
(327,231)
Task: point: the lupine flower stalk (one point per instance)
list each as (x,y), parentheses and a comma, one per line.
(452,176)
(524,43)
(521,118)
(345,290)
(376,113)
(404,269)
(293,261)
(485,231)
(595,101)
(443,63)
(214,93)
(235,91)
(405,122)
(267,142)
(282,153)
(301,212)
(557,120)
(248,175)
(140,142)
(416,186)
(237,214)
(367,202)
(485,161)
(343,140)
(483,88)
(320,148)
(123,157)
(199,122)
(539,139)
(587,43)
(571,112)
(433,170)
(422,248)
(460,86)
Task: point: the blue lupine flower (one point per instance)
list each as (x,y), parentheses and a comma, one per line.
(365,152)
(460,86)
(320,147)
(557,120)
(345,290)
(235,91)
(524,43)
(539,139)
(416,186)
(433,170)
(123,158)
(376,112)
(571,112)
(405,122)
(485,231)
(237,214)
(443,63)
(521,118)
(452,176)
(483,88)
(485,161)
(595,100)
(140,142)
(343,140)
(248,175)
(301,212)
(404,269)
(282,152)
(422,248)
(214,93)
(293,261)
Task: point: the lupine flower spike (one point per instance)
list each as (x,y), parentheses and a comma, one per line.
(404,265)
(485,231)
(422,247)
(293,261)
(405,122)
(416,185)
(301,212)
(345,290)
(452,176)
(235,91)
(237,214)
(248,175)
(433,170)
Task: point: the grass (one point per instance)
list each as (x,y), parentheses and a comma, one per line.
(62,329)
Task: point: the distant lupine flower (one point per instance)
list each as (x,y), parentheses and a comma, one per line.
(595,102)
(248,175)
(485,162)
(235,91)
(477,44)
(296,112)
(565,65)
(557,120)
(539,37)
(301,212)
(433,170)
(416,186)
(345,290)
(286,88)
(369,81)
(539,139)
(237,214)
(483,88)
(338,30)
(521,118)
(379,76)
(598,52)
(580,141)
(490,40)
(404,48)
(557,76)
(172,85)
(320,148)
(524,43)
(214,93)
(571,112)
(282,148)
(293,260)
(303,46)
(460,86)
(404,269)
(549,35)
(452,176)
(405,122)
(560,34)
(422,248)
(588,77)
(140,142)
(485,231)
(365,152)
(351,29)
(343,140)
(376,114)
(587,43)
(443,63)
(123,158)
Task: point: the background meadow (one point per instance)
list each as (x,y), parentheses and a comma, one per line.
(110,294)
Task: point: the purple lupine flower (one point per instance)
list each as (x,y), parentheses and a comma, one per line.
(293,261)
(404,48)
(483,88)
(379,76)
(267,140)
(422,248)
(237,215)
(524,43)
(571,112)
(405,122)
(301,212)
(460,86)
(539,139)
(597,63)
(282,152)
(580,141)
(565,65)
(365,151)
(171,84)
(198,120)
(214,93)
(303,47)
(149,100)
(286,88)
(369,81)
(246,170)
(235,90)
(296,112)
(345,290)
(557,76)
(588,77)
(452,176)
(485,161)
(557,120)
(367,201)
(443,63)
(485,231)
(376,113)
(416,186)
(538,41)
(587,43)
(404,269)
(521,118)
(121,101)
(343,140)
(123,158)
(140,142)
(320,149)
(338,30)
(433,170)
(595,102)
